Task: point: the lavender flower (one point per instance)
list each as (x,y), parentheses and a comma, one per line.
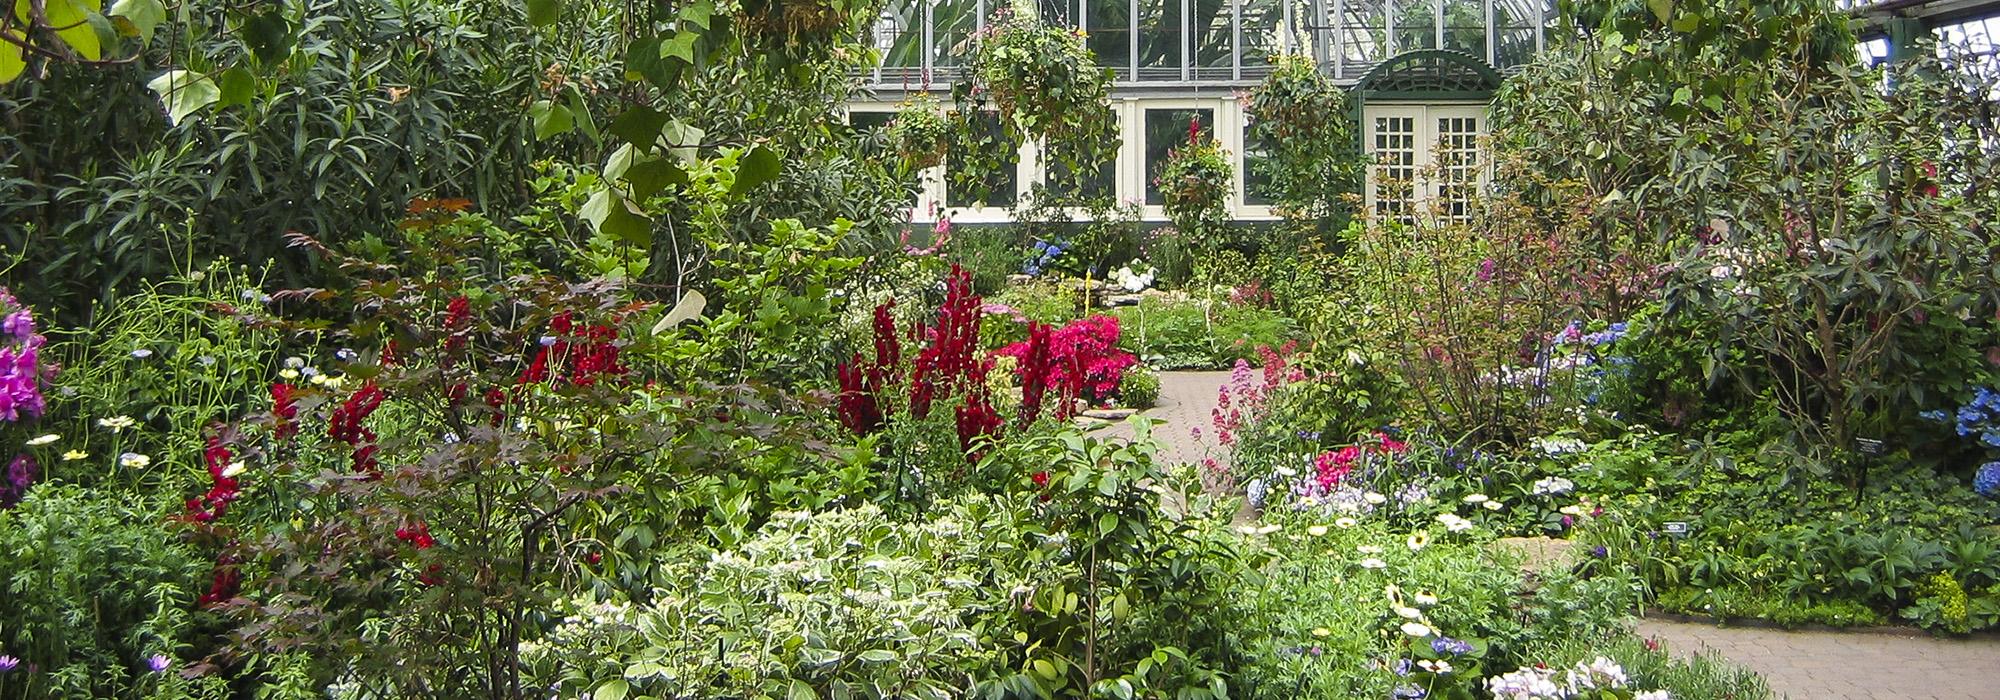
(8,663)
(1447,645)
(20,475)
(158,663)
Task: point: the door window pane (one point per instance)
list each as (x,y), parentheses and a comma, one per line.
(1457,156)
(1395,169)
(1165,130)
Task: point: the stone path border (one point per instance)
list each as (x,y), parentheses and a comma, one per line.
(1816,665)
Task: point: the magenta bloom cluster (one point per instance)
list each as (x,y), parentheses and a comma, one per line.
(20,368)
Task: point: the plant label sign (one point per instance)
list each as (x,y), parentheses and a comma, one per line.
(1868,446)
(1677,529)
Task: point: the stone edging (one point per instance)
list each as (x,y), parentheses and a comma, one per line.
(1760,623)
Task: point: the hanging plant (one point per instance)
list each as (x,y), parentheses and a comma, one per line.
(921,133)
(1046,84)
(1195,182)
(1302,119)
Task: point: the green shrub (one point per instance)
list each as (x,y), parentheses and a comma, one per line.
(1139,388)
(1182,333)
(96,586)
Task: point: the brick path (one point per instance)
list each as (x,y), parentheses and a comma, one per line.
(1186,400)
(1847,665)
(1799,665)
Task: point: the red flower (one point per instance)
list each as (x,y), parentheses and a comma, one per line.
(284,406)
(1041,479)
(345,426)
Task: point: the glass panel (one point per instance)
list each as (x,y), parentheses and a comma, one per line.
(1166,129)
(1262,21)
(1395,169)
(1514,33)
(1110,33)
(952,24)
(998,160)
(1465,27)
(1065,185)
(1214,40)
(1257,166)
(1416,25)
(1458,165)
(1364,37)
(899,34)
(1160,39)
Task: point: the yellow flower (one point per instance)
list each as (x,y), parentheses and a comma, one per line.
(1322,632)
(74,455)
(288,374)
(134,460)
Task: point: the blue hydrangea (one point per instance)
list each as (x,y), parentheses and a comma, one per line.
(1978,418)
(1987,481)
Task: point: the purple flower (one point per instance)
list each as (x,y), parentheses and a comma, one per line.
(1486,269)
(1600,552)
(158,663)
(1447,645)
(20,475)
(19,324)
(8,663)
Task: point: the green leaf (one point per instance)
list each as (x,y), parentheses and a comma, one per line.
(1687,22)
(1107,523)
(649,177)
(612,215)
(681,47)
(1045,669)
(550,118)
(614,689)
(143,16)
(239,86)
(542,13)
(12,62)
(581,112)
(800,691)
(757,167)
(879,656)
(639,126)
(1684,95)
(183,92)
(269,36)
(77,32)
(698,13)
(1663,10)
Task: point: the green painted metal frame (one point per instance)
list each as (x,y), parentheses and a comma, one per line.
(1426,75)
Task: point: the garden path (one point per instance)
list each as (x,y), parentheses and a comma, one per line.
(1823,665)
(1809,665)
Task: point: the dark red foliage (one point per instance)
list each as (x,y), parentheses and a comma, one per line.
(284,406)
(1036,366)
(946,365)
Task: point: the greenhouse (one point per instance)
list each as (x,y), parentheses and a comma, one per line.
(999,349)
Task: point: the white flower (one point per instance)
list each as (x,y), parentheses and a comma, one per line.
(1475,498)
(295,362)
(1722,272)
(1439,667)
(43,440)
(1571,510)
(288,374)
(134,460)
(1452,522)
(1416,629)
(1375,498)
(1345,523)
(1553,485)
(1373,563)
(1287,471)
(1426,598)
(1316,530)
(1409,613)
(1368,549)
(1493,505)
(1268,529)
(1417,541)
(233,470)
(1560,446)
(116,423)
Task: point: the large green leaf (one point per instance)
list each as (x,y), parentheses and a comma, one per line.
(759,166)
(269,36)
(611,214)
(72,20)
(638,125)
(183,92)
(140,16)
(550,119)
(238,85)
(12,62)
(542,13)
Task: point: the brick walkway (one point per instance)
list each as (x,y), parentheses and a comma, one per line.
(1186,402)
(1799,665)
(1847,665)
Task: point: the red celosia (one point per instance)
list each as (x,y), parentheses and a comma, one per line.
(858,406)
(1078,360)
(223,583)
(457,319)
(976,416)
(223,488)
(284,407)
(345,426)
(577,353)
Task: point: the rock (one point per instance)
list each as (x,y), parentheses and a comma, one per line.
(1121,300)
(1110,413)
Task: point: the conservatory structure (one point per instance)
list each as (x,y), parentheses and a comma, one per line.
(1423,72)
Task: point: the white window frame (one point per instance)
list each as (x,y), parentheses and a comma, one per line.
(1425,115)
